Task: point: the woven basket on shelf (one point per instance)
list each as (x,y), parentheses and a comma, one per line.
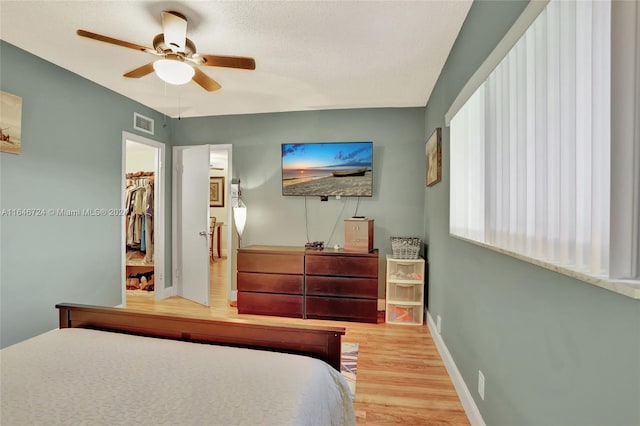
(405,247)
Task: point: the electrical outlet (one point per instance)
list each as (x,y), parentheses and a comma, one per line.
(481,384)
(438,324)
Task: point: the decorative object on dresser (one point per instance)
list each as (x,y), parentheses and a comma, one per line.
(405,291)
(314,245)
(358,235)
(294,282)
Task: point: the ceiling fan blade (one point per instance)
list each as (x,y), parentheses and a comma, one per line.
(99,37)
(174,26)
(228,62)
(206,82)
(140,71)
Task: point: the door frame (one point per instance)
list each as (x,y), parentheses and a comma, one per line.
(158,215)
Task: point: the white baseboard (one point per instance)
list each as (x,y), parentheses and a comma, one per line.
(170,292)
(166,292)
(469,405)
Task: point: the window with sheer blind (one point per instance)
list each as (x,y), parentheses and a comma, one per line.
(536,148)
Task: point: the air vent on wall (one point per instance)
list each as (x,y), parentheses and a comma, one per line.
(142,123)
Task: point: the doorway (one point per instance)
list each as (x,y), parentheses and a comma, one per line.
(201,183)
(220,214)
(143,222)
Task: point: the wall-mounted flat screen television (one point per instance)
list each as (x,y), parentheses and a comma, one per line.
(332,168)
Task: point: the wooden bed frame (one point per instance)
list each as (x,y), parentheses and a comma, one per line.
(318,342)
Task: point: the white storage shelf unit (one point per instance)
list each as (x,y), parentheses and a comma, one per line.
(405,291)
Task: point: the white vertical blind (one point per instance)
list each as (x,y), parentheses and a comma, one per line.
(584,110)
(624,220)
(467,217)
(530,149)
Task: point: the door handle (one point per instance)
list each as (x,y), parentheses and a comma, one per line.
(203,233)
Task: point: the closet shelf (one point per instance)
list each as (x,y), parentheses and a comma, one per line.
(139,264)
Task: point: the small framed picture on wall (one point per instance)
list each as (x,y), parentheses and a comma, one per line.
(10,123)
(216,191)
(433,151)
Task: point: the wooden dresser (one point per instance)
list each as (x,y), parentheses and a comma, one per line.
(271,281)
(341,285)
(292,282)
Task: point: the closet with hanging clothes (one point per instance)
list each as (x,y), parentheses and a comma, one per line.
(139,205)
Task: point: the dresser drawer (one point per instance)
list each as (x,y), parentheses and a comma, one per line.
(342,309)
(283,263)
(269,304)
(270,283)
(349,266)
(342,287)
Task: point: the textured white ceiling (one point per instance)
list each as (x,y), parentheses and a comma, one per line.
(309,55)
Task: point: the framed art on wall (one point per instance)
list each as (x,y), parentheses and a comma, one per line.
(434,157)
(10,123)
(216,191)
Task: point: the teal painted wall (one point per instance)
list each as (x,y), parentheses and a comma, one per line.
(398,164)
(71,159)
(554,350)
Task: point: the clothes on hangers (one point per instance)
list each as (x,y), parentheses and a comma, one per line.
(139,213)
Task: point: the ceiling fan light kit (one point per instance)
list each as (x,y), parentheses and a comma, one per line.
(178,60)
(173,71)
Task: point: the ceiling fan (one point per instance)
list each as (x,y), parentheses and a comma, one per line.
(178,59)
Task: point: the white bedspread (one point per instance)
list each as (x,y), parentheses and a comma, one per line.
(77,376)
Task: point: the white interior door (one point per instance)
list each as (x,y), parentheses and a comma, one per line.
(192,202)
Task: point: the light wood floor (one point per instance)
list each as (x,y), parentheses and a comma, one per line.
(401,378)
